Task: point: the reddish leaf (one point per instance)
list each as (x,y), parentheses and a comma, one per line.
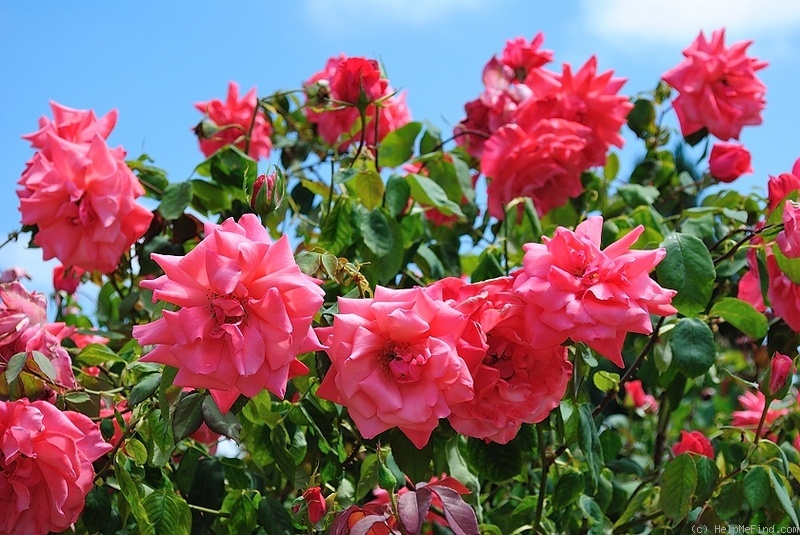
(460,516)
(413,508)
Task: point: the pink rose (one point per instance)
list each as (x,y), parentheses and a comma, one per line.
(782,185)
(228,123)
(337,127)
(358,81)
(729,161)
(780,368)
(753,405)
(395,362)
(45,466)
(694,442)
(783,294)
(24,328)
(76,126)
(635,396)
(572,289)
(13,274)
(67,280)
(718,87)
(542,160)
(82,200)
(585,98)
(82,340)
(523,57)
(246,313)
(789,237)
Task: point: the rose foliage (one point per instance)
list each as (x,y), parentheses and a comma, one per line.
(394,331)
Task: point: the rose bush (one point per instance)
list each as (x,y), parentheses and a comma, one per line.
(401,333)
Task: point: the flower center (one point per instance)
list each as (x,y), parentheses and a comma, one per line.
(226,309)
(498,356)
(402,362)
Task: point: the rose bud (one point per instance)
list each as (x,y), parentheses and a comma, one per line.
(693,442)
(729,161)
(268,192)
(776,382)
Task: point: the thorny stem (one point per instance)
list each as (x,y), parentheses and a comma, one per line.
(464,132)
(661,434)
(207,510)
(760,428)
(377,116)
(750,235)
(252,126)
(543,479)
(363,116)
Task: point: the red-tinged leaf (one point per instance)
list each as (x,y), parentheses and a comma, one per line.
(460,516)
(413,507)
(377,522)
(452,483)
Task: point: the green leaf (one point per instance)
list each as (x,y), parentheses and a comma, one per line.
(457,466)
(368,476)
(707,475)
(280,451)
(398,145)
(225,424)
(397,194)
(132,495)
(756,487)
(678,484)
(569,488)
(592,512)
(782,494)
(488,267)
(611,168)
(243,509)
(383,246)
(230,166)
(636,195)
(693,349)
(369,187)
(207,490)
(153,179)
(337,232)
(161,442)
(590,445)
(606,381)
(44,364)
(96,355)
(14,366)
(729,500)
(188,415)
(136,450)
(639,503)
(144,389)
(687,268)
(168,513)
(642,118)
(495,462)
(208,197)
(175,200)
(274,518)
(789,266)
(427,192)
(431,139)
(741,315)
(414,462)
(97,510)
(377,233)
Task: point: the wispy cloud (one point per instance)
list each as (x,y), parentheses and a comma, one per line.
(342,13)
(646,22)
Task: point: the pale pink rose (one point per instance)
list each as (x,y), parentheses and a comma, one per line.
(718,87)
(635,396)
(584,97)
(782,185)
(513,382)
(24,328)
(228,123)
(729,161)
(246,313)
(523,57)
(694,442)
(783,294)
(574,290)
(542,160)
(753,405)
(82,200)
(337,126)
(76,126)
(67,280)
(46,469)
(395,362)
(789,237)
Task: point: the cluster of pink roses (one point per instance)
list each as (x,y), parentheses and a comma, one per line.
(536,131)
(79,193)
(354,98)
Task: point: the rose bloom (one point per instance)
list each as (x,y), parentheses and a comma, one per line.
(693,442)
(230,122)
(584,97)
(246,313)
(753,405)
(783,294)
(82,340)
(718,87)
(83,202)
(67,280)
(542,160)
(729,161)
(789,238)
(24,328)
(523,57)
(76,126)
(394,362)
(514,383)
(635,396)
(782,185)
(572,289)
(46,469)
(358,81)
(336,126)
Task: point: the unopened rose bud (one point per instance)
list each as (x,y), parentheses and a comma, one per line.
(268,192)
(776,382)
(317,506)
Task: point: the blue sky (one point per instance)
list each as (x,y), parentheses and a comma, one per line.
(153,60)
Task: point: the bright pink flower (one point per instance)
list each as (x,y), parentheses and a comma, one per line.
(789,237)
(82,340)
(729,161)
(782,185)
(67,279)
(82,200)
(718,87)
(574,290)
(514,383)
(523,57)
(781,367)
(395,362)
(358,81)
(76,126)
(585,98)
(753,405)
(246,313)
(635,396)
(783,294)
(46,469)
(693,442)
(542,160)
(230,122)
(24,328)
(316,504)
(337,127)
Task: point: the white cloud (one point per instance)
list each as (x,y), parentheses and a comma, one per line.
(637,22)
(343,14)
